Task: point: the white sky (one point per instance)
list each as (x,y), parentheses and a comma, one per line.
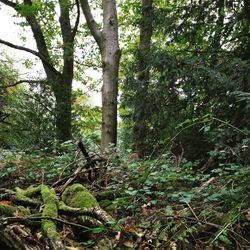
(11,32)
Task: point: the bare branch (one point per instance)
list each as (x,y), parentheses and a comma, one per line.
(9,3)
(77,20)
(20,48)
(22,81)
(97,34)
(33,52)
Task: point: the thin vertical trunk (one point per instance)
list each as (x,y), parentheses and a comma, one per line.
(141,97)
(108,42)
(216,43)
(110,64)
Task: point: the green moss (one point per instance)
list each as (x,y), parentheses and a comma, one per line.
(7,210)
(50,210)
(29,192)
(51,202)
(49,195)
(49,227)
(78,196)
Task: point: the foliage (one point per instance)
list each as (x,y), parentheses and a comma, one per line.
(195,70)
(177,205)
(32,166)
(86,117)
(161,203)
(30,121)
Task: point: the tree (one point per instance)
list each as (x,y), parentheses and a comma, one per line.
(59,80)
(107,40)
(197,61)
(141,95)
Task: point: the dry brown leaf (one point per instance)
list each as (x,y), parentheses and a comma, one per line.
(20,213)
(248,215)
(118,236)
(64,234)
(5,202)
(38,235)
(128,244)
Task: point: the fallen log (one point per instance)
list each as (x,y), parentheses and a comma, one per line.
(41,220)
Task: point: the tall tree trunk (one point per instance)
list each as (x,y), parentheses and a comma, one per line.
(108,42)
(63,93)
(216,42)
(141,97)
(110,64)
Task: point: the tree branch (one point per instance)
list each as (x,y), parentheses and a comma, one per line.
(33,52)
(9,3)
(77,20)
(97,34)
(22,81)
(20,48)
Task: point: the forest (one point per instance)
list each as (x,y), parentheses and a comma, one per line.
(125,124)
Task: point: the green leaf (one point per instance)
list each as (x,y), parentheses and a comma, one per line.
(98,230)
(225,239)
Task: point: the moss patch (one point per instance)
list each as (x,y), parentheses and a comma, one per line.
(7,210)
(49,195)
(29,192)
(79,197)
(49,227)
(51,210)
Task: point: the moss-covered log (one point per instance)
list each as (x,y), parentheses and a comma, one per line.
(76,202)
(77,196)
(8,210)
(49,227)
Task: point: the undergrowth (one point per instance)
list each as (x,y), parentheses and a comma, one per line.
(159,204)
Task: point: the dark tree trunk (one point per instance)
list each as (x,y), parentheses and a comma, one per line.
(141,98)
(63,93)
(216,42)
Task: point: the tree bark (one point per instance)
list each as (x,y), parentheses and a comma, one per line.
(110,67)
(63,93)
(108,43)
(216,42)
(141,96)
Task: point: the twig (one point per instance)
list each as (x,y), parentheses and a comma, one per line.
(68,165)
(191,209)
(60,221)
(22,220)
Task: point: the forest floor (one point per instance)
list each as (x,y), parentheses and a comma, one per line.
(136,204)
